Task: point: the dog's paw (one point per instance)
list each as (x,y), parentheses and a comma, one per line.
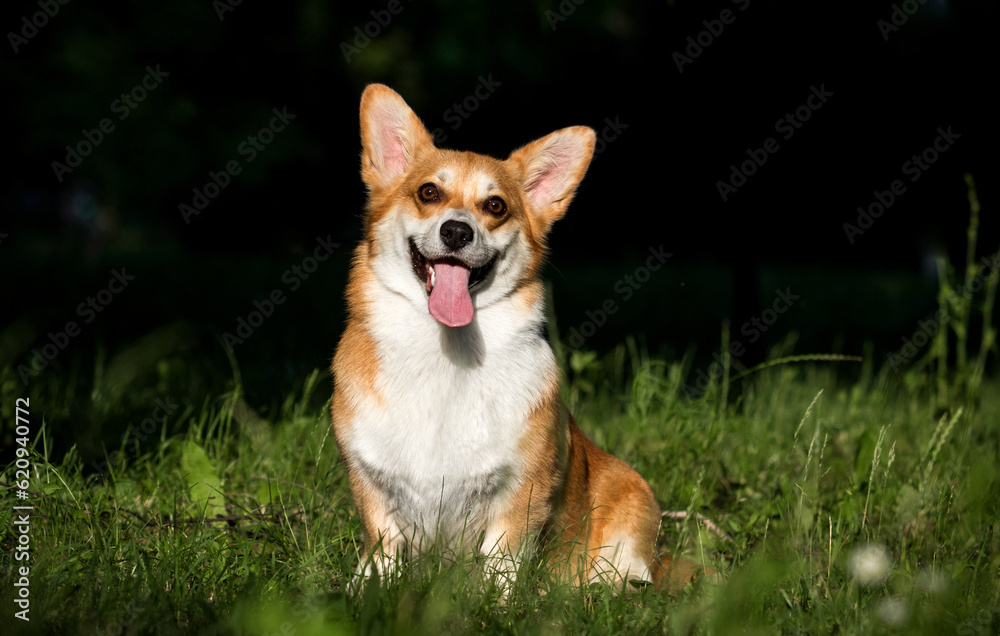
(360,578)
(379,568)
(501,571)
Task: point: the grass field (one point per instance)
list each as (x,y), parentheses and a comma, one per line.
(853,507)
(823,496)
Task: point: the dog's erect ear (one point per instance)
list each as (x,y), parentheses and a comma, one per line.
(551,168)
(391,136)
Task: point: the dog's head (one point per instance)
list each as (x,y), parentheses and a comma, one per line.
(453,230)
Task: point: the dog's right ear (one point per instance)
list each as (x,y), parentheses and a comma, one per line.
(391,136)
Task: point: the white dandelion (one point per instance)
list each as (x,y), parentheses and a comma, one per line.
(893,611)
(869,564)
(933,581)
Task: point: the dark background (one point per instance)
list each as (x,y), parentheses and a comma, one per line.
(557,64)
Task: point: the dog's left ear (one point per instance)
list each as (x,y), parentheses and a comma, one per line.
(551,169)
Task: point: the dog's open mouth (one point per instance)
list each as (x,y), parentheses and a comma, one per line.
(448,282)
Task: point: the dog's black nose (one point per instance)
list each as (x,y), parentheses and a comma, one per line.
(456,235)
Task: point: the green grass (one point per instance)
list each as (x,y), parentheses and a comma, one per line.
(170,496)
(869,505)
(223,522)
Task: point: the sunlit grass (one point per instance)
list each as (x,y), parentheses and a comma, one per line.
(232,523)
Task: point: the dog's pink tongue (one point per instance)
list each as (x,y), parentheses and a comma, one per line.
(450,302)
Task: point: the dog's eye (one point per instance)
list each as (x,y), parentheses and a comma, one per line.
(428,192)
(495,206)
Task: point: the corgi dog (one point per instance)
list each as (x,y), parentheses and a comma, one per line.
(446,403)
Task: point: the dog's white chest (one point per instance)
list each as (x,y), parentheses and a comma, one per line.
(443,442)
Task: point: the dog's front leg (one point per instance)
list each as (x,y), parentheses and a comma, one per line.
(385,542)
(505,546)
(512,533)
